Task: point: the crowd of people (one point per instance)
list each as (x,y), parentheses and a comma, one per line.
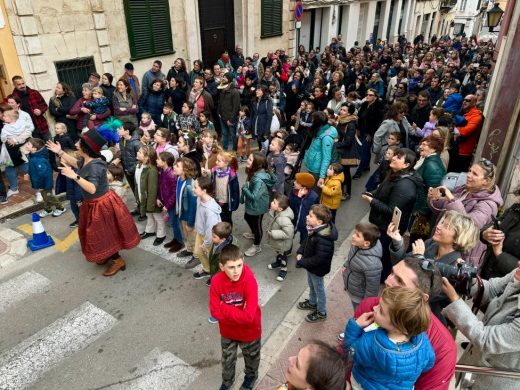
(305,130)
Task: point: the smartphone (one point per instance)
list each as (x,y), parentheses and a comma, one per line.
(396,216)
(496,223)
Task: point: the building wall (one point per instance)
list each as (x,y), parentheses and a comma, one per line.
(466,12)
(9,64)
(426,19)
(44,32)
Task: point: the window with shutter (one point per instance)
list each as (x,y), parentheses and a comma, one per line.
(271,18)
(149,28)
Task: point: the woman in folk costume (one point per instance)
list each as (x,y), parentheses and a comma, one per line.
(105,226)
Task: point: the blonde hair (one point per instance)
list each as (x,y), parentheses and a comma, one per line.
(97,90)
(61,125)
(407,308)
(229,158)
(490,173)
(467,233)
(279,142)
(445,135)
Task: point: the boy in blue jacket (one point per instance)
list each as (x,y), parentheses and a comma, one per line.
(391,348)
(40,172)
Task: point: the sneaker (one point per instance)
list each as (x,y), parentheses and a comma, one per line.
(208,282)
(316,316)
(282,275)
(248,383)
(58,212)
(185,253)
(43,213)
(356,176)
(275,264)
(212,320)
(224,387)
(74,225)
(39,197)
(345,196)
(11,193)
(249,236)
(201,274)
(253,250)
(341,336)
(3,200)
(192,263)
(306,305)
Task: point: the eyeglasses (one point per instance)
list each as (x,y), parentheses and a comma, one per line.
(370,94)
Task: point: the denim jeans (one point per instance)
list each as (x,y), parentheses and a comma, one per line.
(12,175)
(228,131)
(176,225)
(317,292)
(366,154)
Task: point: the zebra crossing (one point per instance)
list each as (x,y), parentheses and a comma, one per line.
(29,361)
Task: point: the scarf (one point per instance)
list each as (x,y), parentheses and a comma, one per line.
(208,150)
(347,118)
(311,229)
(220,173)
(145,123)
(421,161)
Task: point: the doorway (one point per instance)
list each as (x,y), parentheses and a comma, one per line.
(217,29)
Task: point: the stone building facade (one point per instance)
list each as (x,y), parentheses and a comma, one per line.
(37,34)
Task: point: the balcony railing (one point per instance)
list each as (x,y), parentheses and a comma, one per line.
(467,380)
(446,5)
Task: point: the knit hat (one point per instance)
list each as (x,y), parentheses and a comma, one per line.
(94,140)
(305,179)
(226,80)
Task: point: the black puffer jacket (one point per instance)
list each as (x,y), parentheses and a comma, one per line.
(318,249)
(400,191)
(496,267)
(129,149)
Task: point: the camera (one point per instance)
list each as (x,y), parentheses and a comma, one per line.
(460,276)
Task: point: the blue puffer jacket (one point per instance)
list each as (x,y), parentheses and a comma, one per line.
(40,170)
(301,207)
(453,103)
(318,156)
(381,364)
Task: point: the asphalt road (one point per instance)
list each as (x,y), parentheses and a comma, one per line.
(65,326)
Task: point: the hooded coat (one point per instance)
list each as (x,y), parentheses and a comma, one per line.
(40,170)
(362,272)
(255,194)
(481,206)
(282,230)
(319,155)
(331,191)
(207,216)
(318,249)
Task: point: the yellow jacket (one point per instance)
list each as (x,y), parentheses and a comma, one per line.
(331,191)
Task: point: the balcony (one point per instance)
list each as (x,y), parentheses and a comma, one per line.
(447,5)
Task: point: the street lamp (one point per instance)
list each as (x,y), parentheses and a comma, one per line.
(493,17)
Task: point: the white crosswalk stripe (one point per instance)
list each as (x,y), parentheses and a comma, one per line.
(162,252)
(19,288)
(159,371)
(29,360)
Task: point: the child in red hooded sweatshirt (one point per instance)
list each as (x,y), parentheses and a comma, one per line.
(233,301)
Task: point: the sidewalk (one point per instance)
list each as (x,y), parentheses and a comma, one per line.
(22,203)
(294,332)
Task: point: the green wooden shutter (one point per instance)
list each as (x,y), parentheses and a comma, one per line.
(271,18)
(149,28)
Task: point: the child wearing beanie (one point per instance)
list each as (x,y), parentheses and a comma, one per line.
(301,198)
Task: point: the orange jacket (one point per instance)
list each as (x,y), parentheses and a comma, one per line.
(470,132)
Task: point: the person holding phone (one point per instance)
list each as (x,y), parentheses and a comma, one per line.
(399,189)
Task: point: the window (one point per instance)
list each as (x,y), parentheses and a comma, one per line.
(271,18)
(149,28)
(75,72)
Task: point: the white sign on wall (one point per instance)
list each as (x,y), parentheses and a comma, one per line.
(2,20)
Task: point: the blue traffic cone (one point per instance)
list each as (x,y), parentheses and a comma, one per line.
(40,239)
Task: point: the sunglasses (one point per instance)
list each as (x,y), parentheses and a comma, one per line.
(486,162)
(370,94)
(467,100)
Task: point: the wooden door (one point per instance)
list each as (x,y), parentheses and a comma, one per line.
(217,31)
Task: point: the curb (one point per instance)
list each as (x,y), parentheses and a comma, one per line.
(25,207)
(276,342)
